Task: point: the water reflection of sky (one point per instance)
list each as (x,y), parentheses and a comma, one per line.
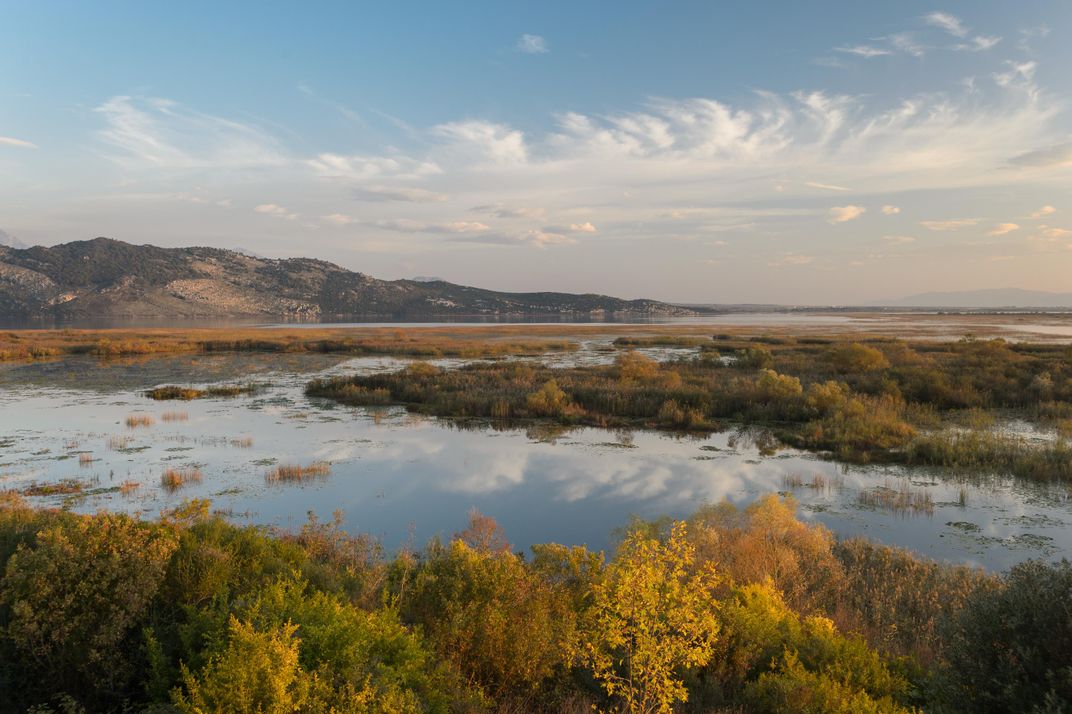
(399,476)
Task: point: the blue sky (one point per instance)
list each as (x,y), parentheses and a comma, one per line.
(776,152)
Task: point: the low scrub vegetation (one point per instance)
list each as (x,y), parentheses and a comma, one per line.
(187,393)
(925,403)
(728,610)
(426,343)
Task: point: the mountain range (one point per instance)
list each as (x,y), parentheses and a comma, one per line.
(109,278)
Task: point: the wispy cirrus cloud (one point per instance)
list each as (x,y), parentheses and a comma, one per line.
(17,143)
(163,134)
(864,51)
(364,168)
(944,21)
(949,225)
(276,211)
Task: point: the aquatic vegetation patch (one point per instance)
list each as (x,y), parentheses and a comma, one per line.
(297,473)
(170,392)
(173,479)
(135,421)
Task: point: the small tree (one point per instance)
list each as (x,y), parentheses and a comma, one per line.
(484,534)
(651,616)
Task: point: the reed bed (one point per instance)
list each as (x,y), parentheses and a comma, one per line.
(296,473)
(898,498)
(135,421)
(175,392)
(174,416)
(118,442)
(128,487)
(66,487)
(174,479)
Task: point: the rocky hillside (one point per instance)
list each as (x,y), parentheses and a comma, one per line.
(109,278)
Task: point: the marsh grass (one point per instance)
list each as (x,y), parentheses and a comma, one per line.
(174,479)
(244,442)
(128,487)
(174,416)
(418,342)
(66,487)
(85,459)
(118,442)
(135,421)
(294,473)
(898,498)
(817,482)
(174,392)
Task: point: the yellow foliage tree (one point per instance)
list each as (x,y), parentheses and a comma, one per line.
(652,615)
(257,672)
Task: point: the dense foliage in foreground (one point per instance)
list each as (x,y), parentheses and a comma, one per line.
(924,403)
(730,610)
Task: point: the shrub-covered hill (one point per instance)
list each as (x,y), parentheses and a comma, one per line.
(110,278)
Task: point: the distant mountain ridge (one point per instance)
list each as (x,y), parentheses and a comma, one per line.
(993,298)
(109,278)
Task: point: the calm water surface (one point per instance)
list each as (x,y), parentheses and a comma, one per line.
(404,478)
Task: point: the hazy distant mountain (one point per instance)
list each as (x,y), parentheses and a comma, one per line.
(1003,297)
(109,278)
(427,279)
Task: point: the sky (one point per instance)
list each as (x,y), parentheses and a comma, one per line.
(763,152)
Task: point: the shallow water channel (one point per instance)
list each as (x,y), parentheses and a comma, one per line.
(405,478)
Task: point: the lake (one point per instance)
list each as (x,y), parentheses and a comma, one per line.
(405,478)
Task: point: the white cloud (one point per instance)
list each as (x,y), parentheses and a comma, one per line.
(535,238)
(906,42)
(979,43)
(496,143)
(585,227)
(825,186)
(947,22)
(843,214)
(18,143)
(1043,212)
(899,240)
(864,51)
(1002,228)
(162,134)
(890,210)
(1055,233)
(372,167)
(950,225)
(339,219)
(532,45)
(406,225)
(276,211)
